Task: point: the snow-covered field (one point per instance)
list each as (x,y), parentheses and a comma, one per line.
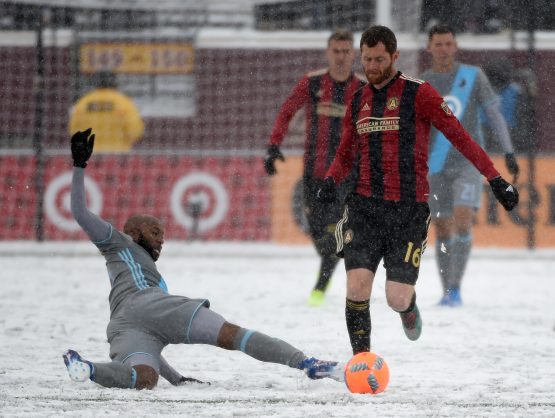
(494,357)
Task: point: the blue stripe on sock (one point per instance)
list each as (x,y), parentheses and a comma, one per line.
(133,378)
(245,339)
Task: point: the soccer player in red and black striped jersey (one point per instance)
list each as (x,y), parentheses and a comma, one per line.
(323,94)
(385,134)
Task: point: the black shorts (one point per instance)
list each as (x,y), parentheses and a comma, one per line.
(372,230)
(322,217)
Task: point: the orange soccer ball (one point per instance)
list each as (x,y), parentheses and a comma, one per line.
(366,373)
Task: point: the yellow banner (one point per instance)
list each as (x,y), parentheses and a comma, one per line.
(137,58)
(494,226)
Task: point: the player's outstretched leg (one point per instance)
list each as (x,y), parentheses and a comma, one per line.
(78,369)
(272,350)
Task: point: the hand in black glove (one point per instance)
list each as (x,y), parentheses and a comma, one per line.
(327,193)
(504,192)
(512,165)
(269,163)
(82,144)
(191,380)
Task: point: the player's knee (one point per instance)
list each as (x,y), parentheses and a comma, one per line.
(398,302)
(147,378)
(227,336)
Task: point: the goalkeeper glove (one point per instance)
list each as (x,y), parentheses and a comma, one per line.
(327,193)
(504,192)
(82,144)
(512,165)
(269,163)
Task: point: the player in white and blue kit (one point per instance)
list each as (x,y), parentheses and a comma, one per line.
(145,317)
(455,185)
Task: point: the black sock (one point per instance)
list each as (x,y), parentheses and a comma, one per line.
(327,266)
(359,326)
(411,305)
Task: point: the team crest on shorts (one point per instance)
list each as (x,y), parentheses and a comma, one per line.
(393,103)
(348,236)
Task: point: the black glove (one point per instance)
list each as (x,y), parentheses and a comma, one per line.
(504,192)
(327,193)
(191,380)
(269,163)
(82,144)
(512,165)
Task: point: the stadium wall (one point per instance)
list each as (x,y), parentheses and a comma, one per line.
(241,80)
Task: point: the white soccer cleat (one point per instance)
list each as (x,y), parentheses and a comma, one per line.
(79,370)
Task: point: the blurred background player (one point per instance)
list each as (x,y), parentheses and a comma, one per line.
(117,122)
(386,129)
(455,184)
(324,94)
(144,317)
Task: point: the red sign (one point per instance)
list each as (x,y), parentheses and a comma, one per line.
(213,198)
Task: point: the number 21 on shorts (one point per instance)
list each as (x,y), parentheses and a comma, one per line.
(413,254)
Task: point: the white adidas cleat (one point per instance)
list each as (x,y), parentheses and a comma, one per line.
(79,370)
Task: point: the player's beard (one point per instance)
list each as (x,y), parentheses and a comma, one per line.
(148,248)
(381,77)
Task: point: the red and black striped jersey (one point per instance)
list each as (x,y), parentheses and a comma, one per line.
(325,102)
(387,132)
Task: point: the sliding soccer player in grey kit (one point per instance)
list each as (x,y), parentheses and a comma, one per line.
(145,317)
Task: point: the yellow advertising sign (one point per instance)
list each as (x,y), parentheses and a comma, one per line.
(137,57)
(494,226)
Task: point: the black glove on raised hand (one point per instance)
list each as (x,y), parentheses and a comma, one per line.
(512,165)
(504,192)
(82,144)
(269,163)
(327,193)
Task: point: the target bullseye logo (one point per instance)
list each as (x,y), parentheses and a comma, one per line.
(199,195)
(57,201)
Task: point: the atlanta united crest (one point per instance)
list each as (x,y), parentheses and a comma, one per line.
(392,103)
(348,237)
